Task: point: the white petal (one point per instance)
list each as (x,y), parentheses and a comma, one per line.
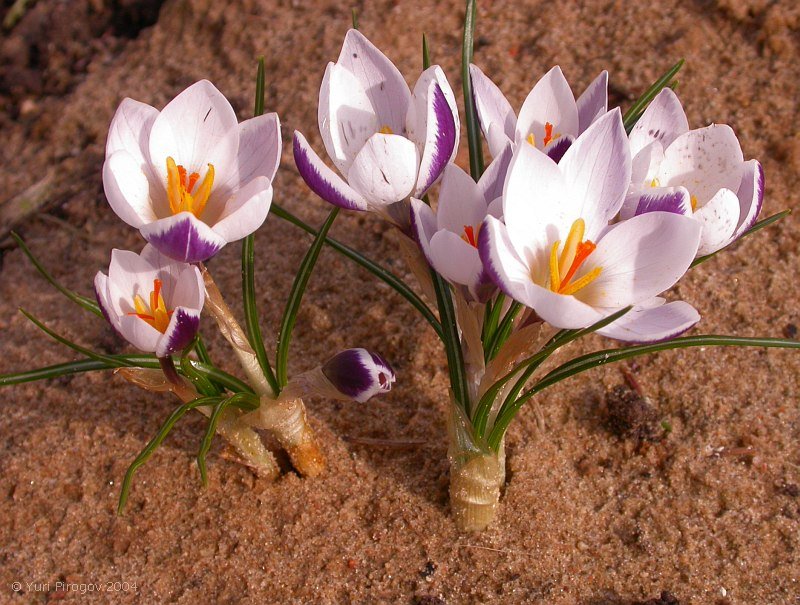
(503,263)
(551,100)
(492,108)
(719,218)
(455,259)
(347,118)
(423,225)
(196,128)
(129,274)
(533,203)
(593,103)
(751,195)
(246,211)
(704,161)
(493,179)
(259,154)
(562,311)
(168,270)
(497,139)
(597,168)
(653,324)
(460,202)
(127,189)
(130,130)
(385,169)
(139,333)
(383,83)
(646,163)
(189,290)
(640,258)
(102,291)
(664,120)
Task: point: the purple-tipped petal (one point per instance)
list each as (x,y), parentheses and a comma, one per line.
(440,140)
(359,374)
(181,330)
(558,148)
(322,180)
(654,324)
(183,237)
(593,103)
(668,199)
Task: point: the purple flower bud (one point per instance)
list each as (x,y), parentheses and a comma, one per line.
(359,374)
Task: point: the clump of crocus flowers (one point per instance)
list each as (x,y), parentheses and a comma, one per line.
(581,223)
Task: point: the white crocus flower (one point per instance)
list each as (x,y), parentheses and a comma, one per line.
(449,238)
(386,141)
(550,118)
(699,173)
(154,302)
(190,177)
(556,254)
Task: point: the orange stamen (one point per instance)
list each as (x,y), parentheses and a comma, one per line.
(583,252)
(193,178)
(157,315)
(180,188)
(469,236)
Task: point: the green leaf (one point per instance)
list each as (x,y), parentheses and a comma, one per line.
(148,450)
(759,225)
(251,311)
(531,364)
(258,109)
(426,53)
(503,331)
(296,297)
(470,112)
(637,109)
(491,318)
(389,278)
(244,401)
(599,358)
(451,341)
(355,18)
(85,302)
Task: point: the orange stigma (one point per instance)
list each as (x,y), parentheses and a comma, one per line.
(156,314)
(563,267)
(470,236)
(548,134)
(181,189)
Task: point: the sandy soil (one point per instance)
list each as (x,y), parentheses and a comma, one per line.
(592,514)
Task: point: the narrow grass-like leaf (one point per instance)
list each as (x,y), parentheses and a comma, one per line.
(758,226)
(426,53)
(252,325)
(84,301)
(470,113)
(148,450)
(245,401)
(389,278)
(451,341)
(637,109)
(296,297)
(200,349)
(503,331)
(531,363)
(354,14)
(599,358)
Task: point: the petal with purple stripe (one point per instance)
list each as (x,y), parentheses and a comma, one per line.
(751,196)
(183,237)
(181,330)
(440,140)
(359,374)
(322,180)
(665,199)
(556,149)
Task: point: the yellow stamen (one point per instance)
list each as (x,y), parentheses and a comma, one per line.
(531,139)
(574,238)
(582,282)
(693,199)
(655,183)
(563,267)
(156,315)
(386,129)
(555,275)
(180,187)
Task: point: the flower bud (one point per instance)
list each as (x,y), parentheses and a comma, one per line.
(359,374)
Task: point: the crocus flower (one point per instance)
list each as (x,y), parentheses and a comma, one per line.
(699,173)
(449,238)
(550,118)
(386,141)
(190,177)
(555,252)
(151,300)
(359,374)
